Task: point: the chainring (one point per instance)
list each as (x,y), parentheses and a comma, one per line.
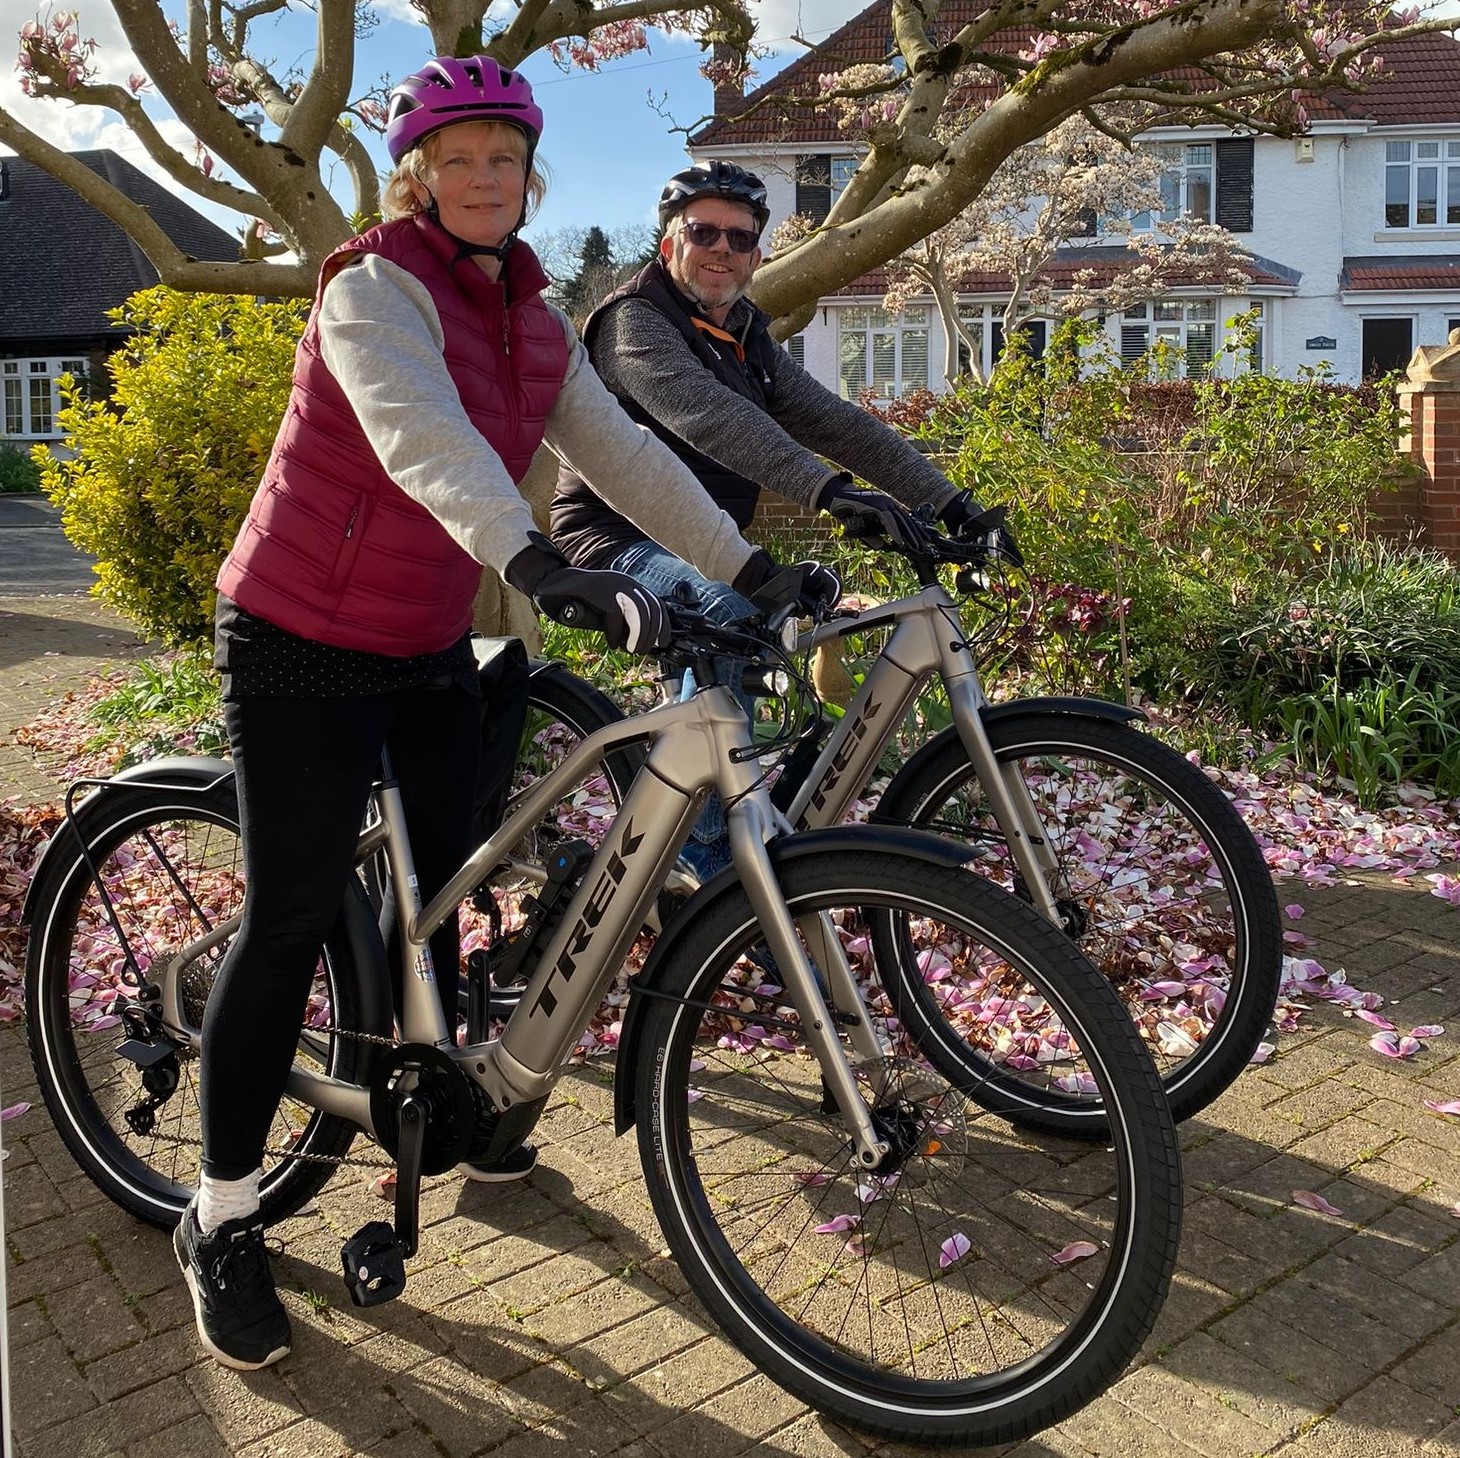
(423,1070)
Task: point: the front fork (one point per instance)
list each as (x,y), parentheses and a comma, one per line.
(1009,798)
(748,829)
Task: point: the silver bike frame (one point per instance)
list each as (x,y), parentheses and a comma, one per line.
(927,638)
(695,746)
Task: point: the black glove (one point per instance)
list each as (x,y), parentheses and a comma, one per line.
(869,515)
(978,528)
(628,615)
(809,585)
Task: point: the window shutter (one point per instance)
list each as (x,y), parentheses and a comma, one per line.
(1234,185)
(796,348)
(813,187)
(1132,342)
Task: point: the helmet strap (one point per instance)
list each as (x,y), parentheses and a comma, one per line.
(474,250)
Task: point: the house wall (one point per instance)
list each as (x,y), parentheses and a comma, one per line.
(1308,215)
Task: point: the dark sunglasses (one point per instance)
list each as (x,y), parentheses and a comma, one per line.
(706,235)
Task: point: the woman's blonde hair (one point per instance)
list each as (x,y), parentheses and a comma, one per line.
(419,162)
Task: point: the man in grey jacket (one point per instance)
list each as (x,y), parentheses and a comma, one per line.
(692,359)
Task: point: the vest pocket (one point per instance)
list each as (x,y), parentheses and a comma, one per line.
(351,534)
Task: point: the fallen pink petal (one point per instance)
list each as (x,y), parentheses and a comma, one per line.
(14,1111)
(953,1249)
(1428,1030)
(1374,1018)
(1309,1201)
(1078,1250)
(811,1177)
(1445,1106)
(1293,912)
(839,1225)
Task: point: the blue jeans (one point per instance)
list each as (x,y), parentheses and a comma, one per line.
(659,570)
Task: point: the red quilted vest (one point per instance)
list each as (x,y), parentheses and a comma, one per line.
(332,549)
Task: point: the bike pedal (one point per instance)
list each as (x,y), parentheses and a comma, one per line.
(375,1264)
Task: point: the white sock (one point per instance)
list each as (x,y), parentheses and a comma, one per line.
(220,1200)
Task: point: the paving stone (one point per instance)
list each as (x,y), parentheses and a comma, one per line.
(242,1406)
(46,1387)
(1293,1354)
(194,1437)
(93,1318)
(1382,1419)
(1398,1240)
(1431,1370)
(1250,1386)
(148,1361)
(1113,1430)
(27,1323)
(1378,1296)
(456,1408)
(1192,1416)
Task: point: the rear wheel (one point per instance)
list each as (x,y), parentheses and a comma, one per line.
(123,1089)
(987,1279)
(1160,883)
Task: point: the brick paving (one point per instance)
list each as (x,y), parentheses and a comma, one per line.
(545,1318)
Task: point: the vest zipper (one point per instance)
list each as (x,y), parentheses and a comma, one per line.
(350,525)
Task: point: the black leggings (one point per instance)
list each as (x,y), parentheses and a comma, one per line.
(304,768)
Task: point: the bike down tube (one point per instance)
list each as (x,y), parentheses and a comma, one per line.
(606,912)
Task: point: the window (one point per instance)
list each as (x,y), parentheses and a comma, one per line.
(1422,184)
(985,322)
(1388,345)
(32,400)
(820,181)
(1185,330)
(796,348)
(882,352)
(1187,184)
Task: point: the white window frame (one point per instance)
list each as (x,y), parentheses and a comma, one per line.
(1189,168)
(1416,165)
(842,170)
(879,329)
(1178,321)
(30,390)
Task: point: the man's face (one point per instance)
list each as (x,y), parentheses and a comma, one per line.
(713,277)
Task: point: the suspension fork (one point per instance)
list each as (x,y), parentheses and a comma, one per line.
(1009,797)
(748,828)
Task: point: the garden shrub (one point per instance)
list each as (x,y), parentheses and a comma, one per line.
(163,472)
(18,473)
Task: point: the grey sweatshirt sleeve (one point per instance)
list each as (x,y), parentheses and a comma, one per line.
(381,338)
(637,475)
(640,354)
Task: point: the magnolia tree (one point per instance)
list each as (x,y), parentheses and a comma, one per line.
(210,72)
(1009,70)
(1073,181)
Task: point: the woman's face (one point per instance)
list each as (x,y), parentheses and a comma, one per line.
(478,173)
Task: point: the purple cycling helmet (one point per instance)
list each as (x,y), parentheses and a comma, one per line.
(449,90)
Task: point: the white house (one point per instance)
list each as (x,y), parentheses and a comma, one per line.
(1354,228)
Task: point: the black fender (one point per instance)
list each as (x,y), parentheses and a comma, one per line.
(189,772)
(1079,707)
(783,851)
(200,774)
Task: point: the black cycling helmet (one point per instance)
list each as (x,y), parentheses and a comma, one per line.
(717,179)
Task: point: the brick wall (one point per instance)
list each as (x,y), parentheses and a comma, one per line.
(1430,399)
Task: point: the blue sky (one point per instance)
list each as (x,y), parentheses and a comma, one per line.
(608,150)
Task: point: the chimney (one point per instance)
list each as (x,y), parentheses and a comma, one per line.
(727,71)
(4,180)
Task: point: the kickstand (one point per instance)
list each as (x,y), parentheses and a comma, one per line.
(374,1257)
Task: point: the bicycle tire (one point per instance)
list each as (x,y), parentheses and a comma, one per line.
(742,1159)
(1165,890)
(172,863)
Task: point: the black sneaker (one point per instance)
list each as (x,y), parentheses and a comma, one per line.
(241,1320)
(517,1164)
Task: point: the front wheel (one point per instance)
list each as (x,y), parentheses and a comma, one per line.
(985,1280)
(171,867)
(1158,881)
